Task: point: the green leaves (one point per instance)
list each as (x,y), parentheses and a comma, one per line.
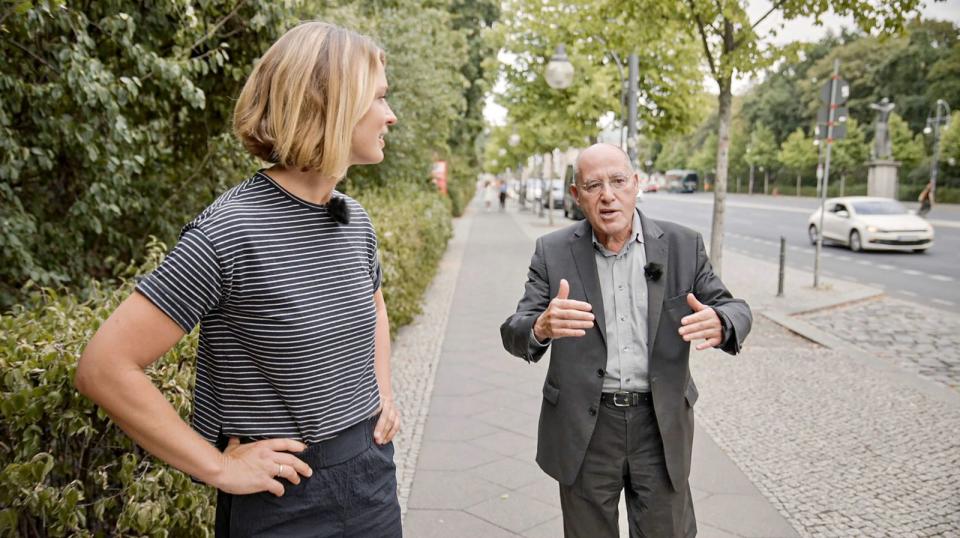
(597,34)
(413,225)
(106,111)
(64,467)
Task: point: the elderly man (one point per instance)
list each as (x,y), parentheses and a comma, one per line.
(620,297)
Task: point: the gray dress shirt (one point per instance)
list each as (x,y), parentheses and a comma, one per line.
(624,289)
(623,286)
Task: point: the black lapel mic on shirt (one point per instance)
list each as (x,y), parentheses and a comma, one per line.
(339,210)
(653,271)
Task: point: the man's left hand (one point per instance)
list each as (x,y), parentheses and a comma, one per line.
(703,324)
(389,422)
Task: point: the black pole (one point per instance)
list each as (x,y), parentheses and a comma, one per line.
(783,261)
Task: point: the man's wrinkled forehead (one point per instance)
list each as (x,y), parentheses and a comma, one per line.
(602,161)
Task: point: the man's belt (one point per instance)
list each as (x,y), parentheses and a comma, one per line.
(623,398)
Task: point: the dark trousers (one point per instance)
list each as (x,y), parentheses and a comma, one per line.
(352,493)
(626,454)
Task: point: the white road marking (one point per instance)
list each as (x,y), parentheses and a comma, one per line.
(912,272)
(943,302)
(863,262)
(942,278)
(886,267)
(875,285)
(908,293)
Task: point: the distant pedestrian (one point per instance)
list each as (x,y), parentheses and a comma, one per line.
(293,410)
(926,200)
(619,297)
(503,195)
(489,194)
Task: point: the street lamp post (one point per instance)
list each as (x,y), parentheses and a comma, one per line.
(559,75)
(633,64)
(933,124)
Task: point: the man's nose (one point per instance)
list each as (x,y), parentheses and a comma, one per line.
(606,191)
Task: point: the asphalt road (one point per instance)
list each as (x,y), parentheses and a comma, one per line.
(754,225)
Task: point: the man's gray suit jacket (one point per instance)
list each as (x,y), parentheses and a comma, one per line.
(572,389)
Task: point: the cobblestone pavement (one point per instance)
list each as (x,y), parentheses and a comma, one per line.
(415,352)
(917,338)
(840,448)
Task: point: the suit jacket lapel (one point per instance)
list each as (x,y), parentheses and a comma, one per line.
(655,247)
(581,246)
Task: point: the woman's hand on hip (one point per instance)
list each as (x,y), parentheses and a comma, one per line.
(389,422)
(255,467)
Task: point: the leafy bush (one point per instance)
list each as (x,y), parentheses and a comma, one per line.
(66,468)
(461,184)
(114,124)
(413,226)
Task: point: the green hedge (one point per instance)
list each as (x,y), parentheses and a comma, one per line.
(413,225)
(66,469)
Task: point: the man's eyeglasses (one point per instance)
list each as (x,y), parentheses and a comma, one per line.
(618,184)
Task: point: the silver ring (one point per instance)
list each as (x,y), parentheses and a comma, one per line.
(279,469)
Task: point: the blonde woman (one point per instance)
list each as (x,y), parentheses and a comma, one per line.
(293,409)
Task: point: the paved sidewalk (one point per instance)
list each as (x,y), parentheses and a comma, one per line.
(476,474)
(797,436)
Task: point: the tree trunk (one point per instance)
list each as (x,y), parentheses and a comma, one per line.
(750,182)
(720,187)
(798,184)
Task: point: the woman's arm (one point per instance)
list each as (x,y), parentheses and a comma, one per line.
(389,423)
(111,373)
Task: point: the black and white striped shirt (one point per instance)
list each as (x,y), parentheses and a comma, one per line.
(284,298)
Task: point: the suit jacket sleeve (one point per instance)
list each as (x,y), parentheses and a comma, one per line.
(710,291)
(516,330)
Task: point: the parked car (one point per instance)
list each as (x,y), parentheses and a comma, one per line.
(555,185)
(530,190)
(571,209)
(682,180)
(871,223)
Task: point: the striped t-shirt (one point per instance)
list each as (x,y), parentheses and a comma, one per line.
(284,298)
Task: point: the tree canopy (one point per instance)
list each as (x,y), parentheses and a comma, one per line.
(116,119)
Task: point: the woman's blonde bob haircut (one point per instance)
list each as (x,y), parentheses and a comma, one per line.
(303,99)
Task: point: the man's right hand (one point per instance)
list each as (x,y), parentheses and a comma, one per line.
(563,317)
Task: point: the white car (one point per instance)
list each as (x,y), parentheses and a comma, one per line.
(870,223)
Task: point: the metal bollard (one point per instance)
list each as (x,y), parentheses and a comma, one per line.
(783,261)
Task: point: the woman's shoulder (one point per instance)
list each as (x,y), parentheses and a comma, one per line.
(358,213)
(238,202)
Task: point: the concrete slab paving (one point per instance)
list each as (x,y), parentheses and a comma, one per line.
(479,383)
(515,512)
(448,523)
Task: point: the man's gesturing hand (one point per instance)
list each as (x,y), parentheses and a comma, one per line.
(704,324)
(563,317)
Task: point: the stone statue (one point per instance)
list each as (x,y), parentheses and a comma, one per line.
(881,137)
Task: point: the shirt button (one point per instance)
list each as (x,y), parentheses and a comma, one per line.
(622,318)
(620,287)
(626,348)
(600,372)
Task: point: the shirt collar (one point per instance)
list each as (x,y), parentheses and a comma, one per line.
(636,234)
